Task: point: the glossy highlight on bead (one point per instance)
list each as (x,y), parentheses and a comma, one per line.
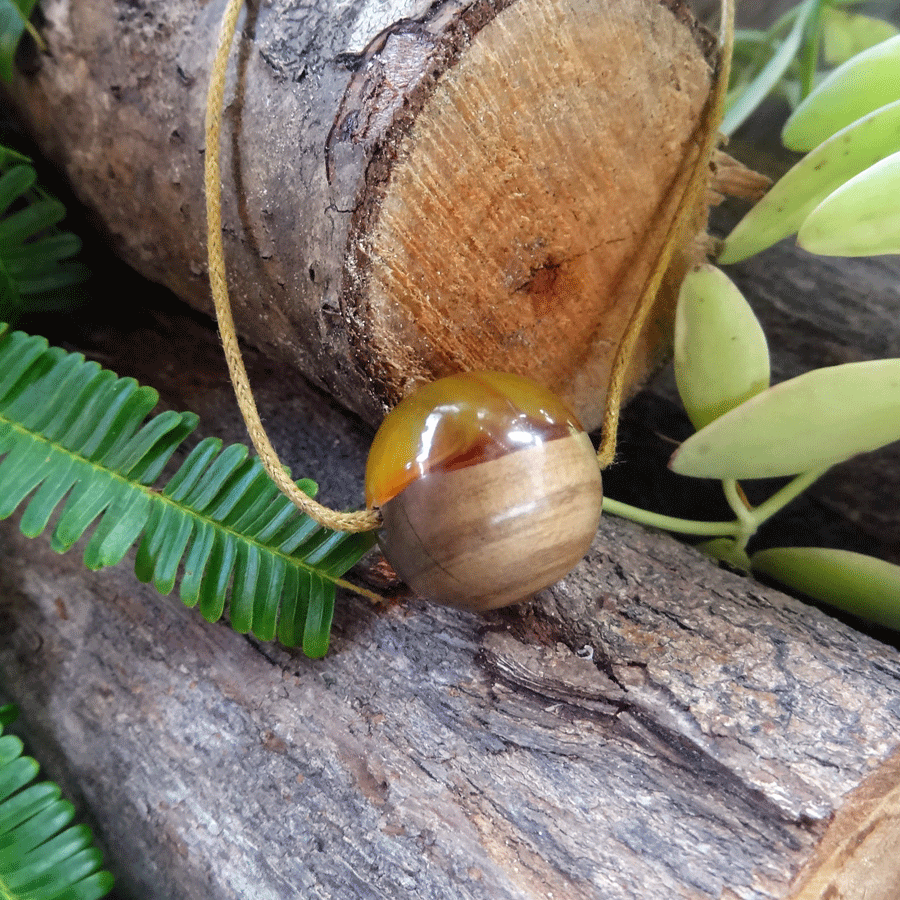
(489,488)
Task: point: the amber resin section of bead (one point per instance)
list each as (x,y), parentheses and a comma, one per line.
(489,488)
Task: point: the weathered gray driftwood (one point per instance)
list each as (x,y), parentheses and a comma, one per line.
(651,727)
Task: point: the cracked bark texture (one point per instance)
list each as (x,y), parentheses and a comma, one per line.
(653,726)
(412,188)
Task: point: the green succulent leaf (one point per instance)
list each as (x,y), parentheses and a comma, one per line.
(810,422)
(860,218)
(727,551)
(41,855)
(75,442)
(844,34)
(861,85)
(721,355)
(788,203)
(853,582)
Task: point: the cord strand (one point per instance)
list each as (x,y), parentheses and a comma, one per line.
(364,520)
(691,196)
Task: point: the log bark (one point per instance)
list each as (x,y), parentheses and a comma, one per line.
(653,726)
(413,188)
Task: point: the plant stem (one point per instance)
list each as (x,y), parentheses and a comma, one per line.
(809,54)
(790,491)
(741,529)
(737,501)
(746,518)
(670,523)
(41,45)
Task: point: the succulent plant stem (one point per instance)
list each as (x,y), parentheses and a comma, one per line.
(790,491)
(746,521)
(669,523)
(742,528)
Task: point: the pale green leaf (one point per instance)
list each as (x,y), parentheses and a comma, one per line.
(845,34)
(861,218)
(859,584)
(810,422)
(785,207)
(738,110)
(721,355)
(860,86)
(837,38)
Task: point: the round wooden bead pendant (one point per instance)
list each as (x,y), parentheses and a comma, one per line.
(489,488)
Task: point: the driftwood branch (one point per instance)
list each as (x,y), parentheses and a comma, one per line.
(652,726)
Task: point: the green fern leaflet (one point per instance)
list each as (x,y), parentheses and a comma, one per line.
(37,272)
(40,857)
(75,437)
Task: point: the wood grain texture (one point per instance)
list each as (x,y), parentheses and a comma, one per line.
(531,197)
(456,536)
(651,726)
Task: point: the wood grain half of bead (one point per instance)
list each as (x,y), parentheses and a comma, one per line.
(489,488)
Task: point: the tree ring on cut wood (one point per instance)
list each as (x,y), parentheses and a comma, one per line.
(513,219)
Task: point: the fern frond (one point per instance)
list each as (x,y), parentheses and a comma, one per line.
(36,269)
(40,857)
(75,441)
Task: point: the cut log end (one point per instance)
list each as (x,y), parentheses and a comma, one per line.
(857,857)
(486,185)
(529,200)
